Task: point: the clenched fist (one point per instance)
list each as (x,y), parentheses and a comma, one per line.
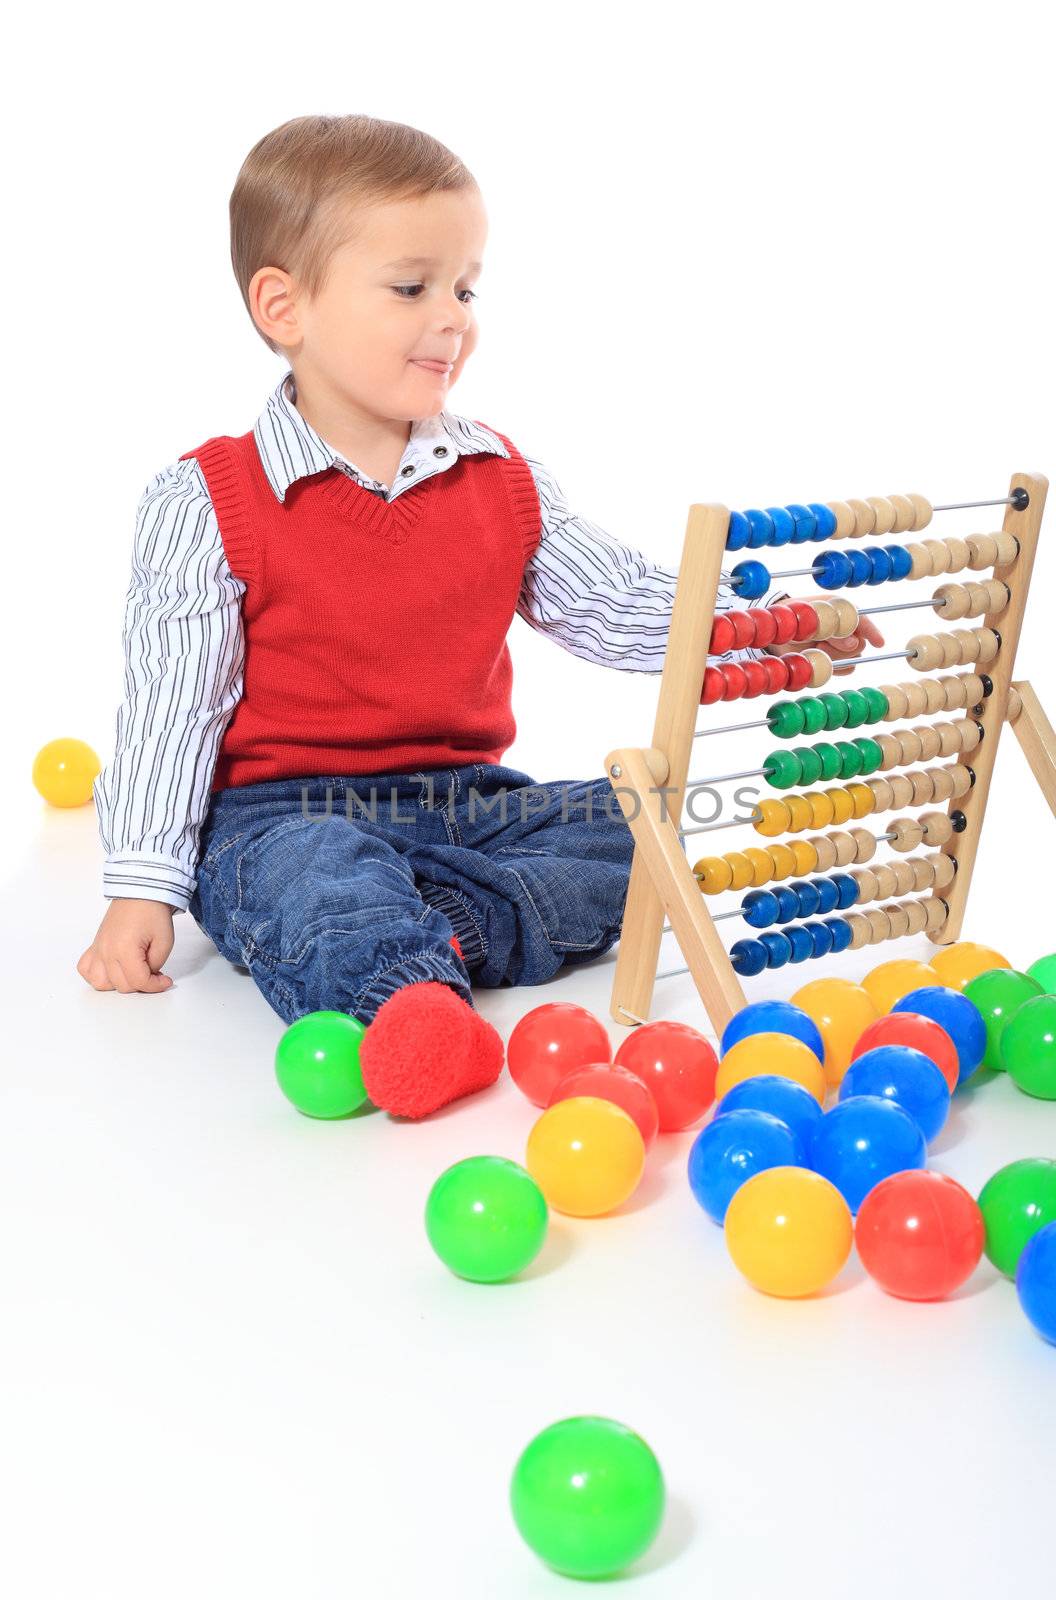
(134,939)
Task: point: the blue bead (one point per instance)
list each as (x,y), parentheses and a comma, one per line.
(760,908)
(732,1149)
(808,897)
(825,519)
(747,958)
(805,522)
(787,904)
(840,929)
(846,891)
(863,1140)
(954,1012)
(778,950)
(832,570)
(828,895)
(751,579)
(901,561)
(762,529)
(906,1076)
(820,937)
(793,1105)
(738,531)
(1036,1280)
(801,942)
(773,1016)
(880,562)
(861,568)
(784,524)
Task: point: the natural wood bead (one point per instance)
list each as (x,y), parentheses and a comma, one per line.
(945,871)
(971,734)
(936,912)
(962,780)
(865,878)
(864,845)
(938,555)
(908,834)
(929,741)
(886,515)
(885,881)
(895,695)
(901,791)
(916,916)
(899,920)
(925,652)
(923,787)
(905,513)
(820,668)
(998,594)
(1007,549)
(923,872)
(1015,703)
(951,601)
(955,694)
(845,848)
(953,647)
(846,618)
(916,699)
(958,550)
(989,645)
(938,829)
(920,561)
(859,930)
(909,744)
(826,852)
(879,926)
(950,738)
(934,695)
(982,550)
(844,515)
(827,615)
(864,518)
(974,692)
(942,783)
(892,751)
(904,876)
(923,509)
(882,793)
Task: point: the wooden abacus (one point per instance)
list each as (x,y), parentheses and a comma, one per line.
(651,783)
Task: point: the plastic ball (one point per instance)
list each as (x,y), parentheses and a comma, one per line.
(771,1054)
(587,1496)
(678,1067)
(773,1016)
(789,1231)
(64,772)
(317,1064)
(917,1033)
(1018,1200)
(732,1149)
(893,979)
(486,1218)
(1043,971)
(549,1042)
(1036,1281)
(919,1235)
(958,964)
(782,1098)
(908,1078)
(998,996)
(954,1013)
(623,1088)
(862,1140)
(1028,1047)
(586,1155)
(841,1011)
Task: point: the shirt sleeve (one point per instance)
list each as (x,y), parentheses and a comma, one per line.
(184,652)
(600,599)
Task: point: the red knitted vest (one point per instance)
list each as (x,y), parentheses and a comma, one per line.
(375,630)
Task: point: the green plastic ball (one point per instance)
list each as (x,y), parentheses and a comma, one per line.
(857,708)
(786,719)
(1017,1201)
(850,759)
(878,703)
(1043,971)
(317,1064)
(835,711)
(997,995)
(814,719)
(1028,1047)
(486,1218)
(829,756)
(587,1496)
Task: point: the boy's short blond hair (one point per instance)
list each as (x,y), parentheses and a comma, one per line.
(294,199)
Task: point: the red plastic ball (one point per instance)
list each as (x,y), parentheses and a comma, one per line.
(800,671)
(722,636)
(919,1235)
(919,1033)
(776,674)
(743,625)
(606,1081)
(755,682)
(734,682)
(677,1065)
(785,623)
(765,626)
(806,619)
(551,1041)
(713,685)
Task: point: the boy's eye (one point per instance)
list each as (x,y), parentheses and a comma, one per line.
(408,291)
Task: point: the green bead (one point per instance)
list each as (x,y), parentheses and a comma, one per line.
(810,764)
(1028,1047)
(786,719)
(997,996)
(1017,1201)
(850,760)
(486,1218)
(835,711)
(879,704)
(587,1495)
(830,760)
(1043,971)
(871,754)
(782,769)
(857,708)
(813,715)
(317,1064)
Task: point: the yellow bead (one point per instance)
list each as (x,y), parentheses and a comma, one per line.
(741,868)
(799,810)
(806,856)
(774,818)
(713,873)
(762,866)
(842,806)
(862,798)
(821,812)
(64,771)
(782,860)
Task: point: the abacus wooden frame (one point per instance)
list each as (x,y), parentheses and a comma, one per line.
(650,783)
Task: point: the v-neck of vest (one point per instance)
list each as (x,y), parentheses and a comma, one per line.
(394,518)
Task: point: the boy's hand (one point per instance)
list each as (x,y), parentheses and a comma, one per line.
(866,633)
(134,939)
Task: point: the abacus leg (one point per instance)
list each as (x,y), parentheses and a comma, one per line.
(1038,740)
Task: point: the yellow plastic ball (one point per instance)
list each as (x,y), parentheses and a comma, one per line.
(842,1011)
(586,1155)
(778,1053)
(892,979)
(958,964)
(789,1231)
(64,771)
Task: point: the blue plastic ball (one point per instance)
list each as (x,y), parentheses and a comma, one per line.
(801,942)
(901,561)
(1036,1280)
(831,570)
(805,524)
(908,1077)
(781,1097)
(732,1149)
(751,579)
(738,531)
(952,1011)
(862,1140)
(784,524)
(880,562)
(861,568)
(761,529)
(760,908)
(825,520)
(778,950)
(773,1016)
(748,958)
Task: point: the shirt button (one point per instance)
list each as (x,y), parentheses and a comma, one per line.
(406,471)
(440,450)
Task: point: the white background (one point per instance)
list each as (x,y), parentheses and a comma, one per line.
(751,254)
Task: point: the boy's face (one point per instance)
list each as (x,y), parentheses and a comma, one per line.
(365,332)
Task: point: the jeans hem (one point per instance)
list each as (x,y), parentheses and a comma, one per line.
(415,969)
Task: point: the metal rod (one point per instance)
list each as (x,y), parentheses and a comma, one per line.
(633,1016)
(736,727)
(727,777)
(900,605)
(863,661)
(970,505)
(717,827)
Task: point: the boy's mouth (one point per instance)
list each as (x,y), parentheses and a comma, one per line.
(435,366)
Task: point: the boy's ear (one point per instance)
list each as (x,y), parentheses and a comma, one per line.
(273,305)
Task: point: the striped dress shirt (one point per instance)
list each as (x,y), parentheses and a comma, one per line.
(184,645)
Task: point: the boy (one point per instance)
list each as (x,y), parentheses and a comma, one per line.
(317,679)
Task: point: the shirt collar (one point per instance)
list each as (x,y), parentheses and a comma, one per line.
(289,447)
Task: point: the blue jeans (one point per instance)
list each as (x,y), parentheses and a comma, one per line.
(334,892)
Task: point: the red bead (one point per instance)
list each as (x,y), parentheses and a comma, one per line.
(734,681)
(776,674)
(765,626)
(743,624)
(806,619)
(800,671)
(785,623)
(713,686)
(755,679)
(722,636)
(919,1235)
